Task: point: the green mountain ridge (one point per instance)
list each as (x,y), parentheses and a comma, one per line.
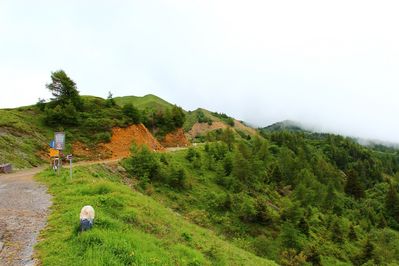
(149,101)
(287,125)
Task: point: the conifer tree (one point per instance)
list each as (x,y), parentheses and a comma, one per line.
(352,233)
(392,203)
(64,89)
(353,186)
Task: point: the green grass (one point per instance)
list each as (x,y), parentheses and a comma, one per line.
(149,101)
(22,136)
(130,228)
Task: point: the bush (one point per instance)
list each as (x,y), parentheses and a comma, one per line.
(178,178)
(61,115)
(41,104)
(266,247)
(245,206)
(164,121)
(230,121)
(201,118)
(132,113)
(290,237)
(144,163)
(103,137)
(97,124)
(192,154)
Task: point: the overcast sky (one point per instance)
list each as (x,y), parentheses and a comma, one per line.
(330,64)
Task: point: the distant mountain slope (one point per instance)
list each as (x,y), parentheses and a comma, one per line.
(287,125)
(202,121)
(293,126)
(148,101)
(200,115)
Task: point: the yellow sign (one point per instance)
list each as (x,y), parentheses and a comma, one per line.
(54,152)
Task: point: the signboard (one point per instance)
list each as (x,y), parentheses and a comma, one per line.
(52,144)
(54,152)
(59,138)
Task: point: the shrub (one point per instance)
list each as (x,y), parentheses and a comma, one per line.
(41,104)
(61,115)
(230,121)
(104,137)
(144,163)
(178,178)
(192,154)
(132,113)
(97,124)
(201,118)
(265,247)
(245,206)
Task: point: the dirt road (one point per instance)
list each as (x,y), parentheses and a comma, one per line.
(23,213)
(24,207)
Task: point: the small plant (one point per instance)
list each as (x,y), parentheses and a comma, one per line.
(187,236)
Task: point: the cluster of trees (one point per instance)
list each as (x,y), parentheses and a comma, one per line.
(228,120)
(162,122)
(202,118)
(150,167)
(296,198)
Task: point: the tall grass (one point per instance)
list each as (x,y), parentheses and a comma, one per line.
(130,228)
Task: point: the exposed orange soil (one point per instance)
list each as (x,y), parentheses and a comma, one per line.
(176,138)
(123,138)
(97,153)
(203,128)
(119,146)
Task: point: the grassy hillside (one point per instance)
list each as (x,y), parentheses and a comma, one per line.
(147,102)
(130,228)
(23,137)
(25,132)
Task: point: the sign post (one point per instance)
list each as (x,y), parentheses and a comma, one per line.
(59,144)
(59,139)
(69,157)
(52,144)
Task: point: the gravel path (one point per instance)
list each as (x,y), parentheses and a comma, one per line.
(23,213)
(24,207)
